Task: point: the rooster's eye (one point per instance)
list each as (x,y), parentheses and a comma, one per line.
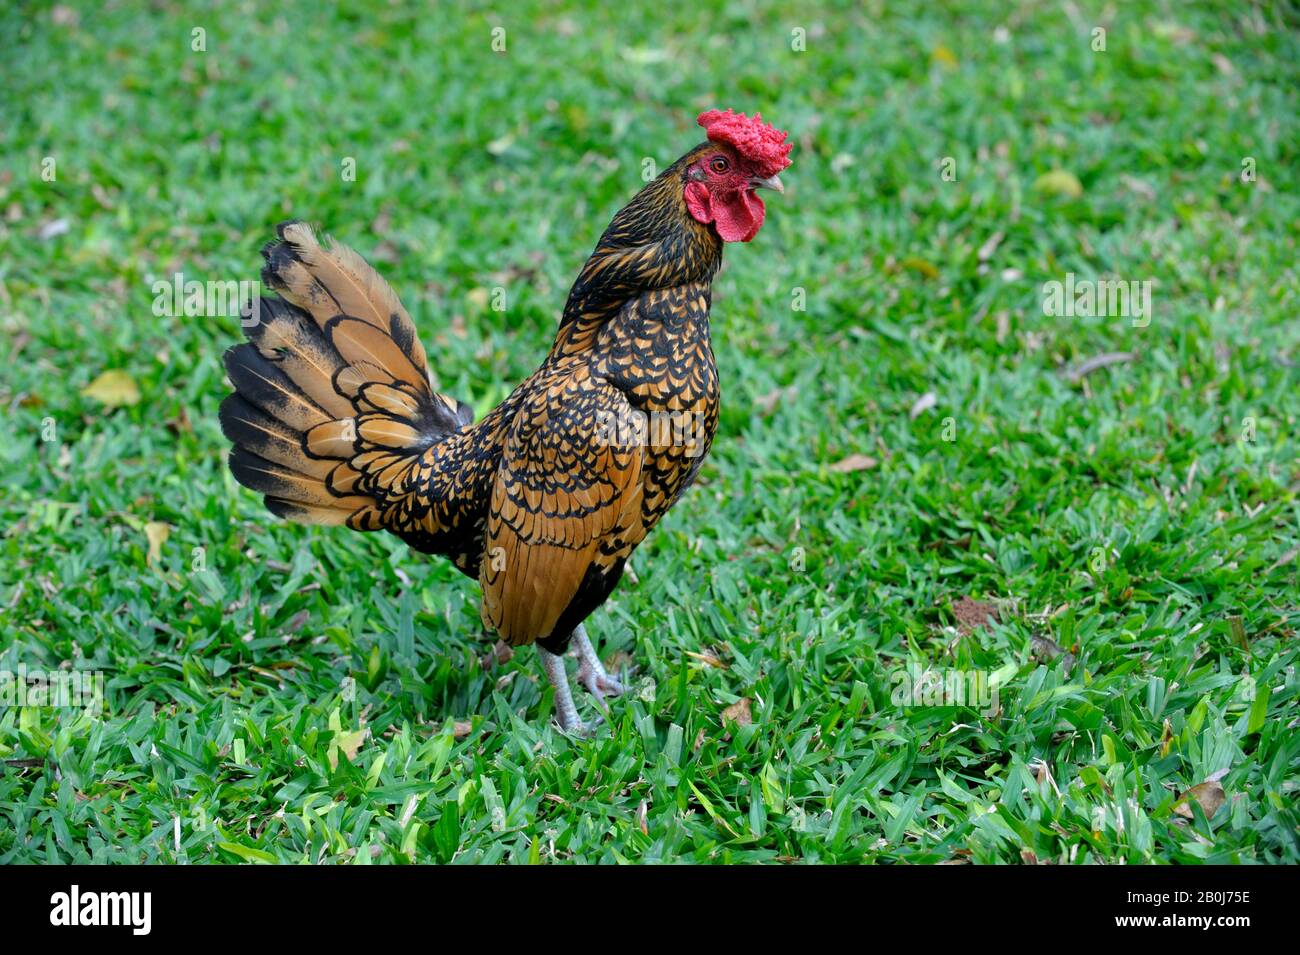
(718,164)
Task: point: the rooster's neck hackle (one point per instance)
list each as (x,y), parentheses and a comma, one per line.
(652,243)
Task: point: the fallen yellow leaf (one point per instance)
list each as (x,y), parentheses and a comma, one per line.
(914,263)
(157,532)
(944,56)
(1059,182)
(113,388)
(345,743)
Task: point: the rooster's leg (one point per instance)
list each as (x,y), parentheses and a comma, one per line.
(565,711)
(591,673)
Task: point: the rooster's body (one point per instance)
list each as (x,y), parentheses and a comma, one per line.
(334,419)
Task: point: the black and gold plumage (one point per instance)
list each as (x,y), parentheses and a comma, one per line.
(335,422)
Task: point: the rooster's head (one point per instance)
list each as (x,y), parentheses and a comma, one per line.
(743,154)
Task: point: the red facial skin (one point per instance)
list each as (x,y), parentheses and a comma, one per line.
(720,189)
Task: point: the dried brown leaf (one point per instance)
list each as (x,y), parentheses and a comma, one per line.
(1208,794)
(708,659)
(1045,648)
(767,403)
(854,462)
(923,404)
(738,713)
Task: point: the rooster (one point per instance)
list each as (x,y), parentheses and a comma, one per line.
(335,421)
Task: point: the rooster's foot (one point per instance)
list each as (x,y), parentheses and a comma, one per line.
(591,672)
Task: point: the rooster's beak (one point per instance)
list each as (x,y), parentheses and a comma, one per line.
(771,182)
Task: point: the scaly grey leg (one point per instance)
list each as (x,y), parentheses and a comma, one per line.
(591,672)
(565,711)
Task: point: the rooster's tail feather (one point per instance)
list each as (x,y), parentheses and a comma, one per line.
(332,402)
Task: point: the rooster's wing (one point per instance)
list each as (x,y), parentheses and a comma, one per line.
(566,503)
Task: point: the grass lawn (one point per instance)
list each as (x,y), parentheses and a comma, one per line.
(912,472)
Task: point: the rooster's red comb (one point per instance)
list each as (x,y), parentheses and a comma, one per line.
(761,144)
